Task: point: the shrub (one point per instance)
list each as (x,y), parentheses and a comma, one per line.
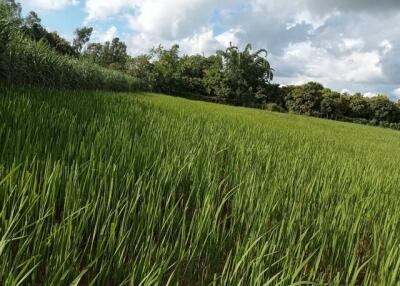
(24,61)
(273,107)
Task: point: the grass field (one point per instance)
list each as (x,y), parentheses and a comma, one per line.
(104,188)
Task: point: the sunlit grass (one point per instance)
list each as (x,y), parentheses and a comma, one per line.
(137,189)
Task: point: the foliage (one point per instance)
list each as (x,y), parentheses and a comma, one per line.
(166,68)
(82,36)
(305,99)
(383,109)
(240,74)
(273,107)
(24,61)
(129,189)
(112,55)
(12,10)
(142,67)
(233,76)
(359,106)
(192,69)
(31,27)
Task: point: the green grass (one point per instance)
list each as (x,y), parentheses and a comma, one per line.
(104,188)
(27,62)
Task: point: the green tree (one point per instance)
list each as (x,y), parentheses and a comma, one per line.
(271,93)
(192,69)
(383,109)
(94,51)
(141,67)
(330,104)
(82,36)
(33,28)
(115,54)
(305,99)
(166,69)
(110,54)
(59,44)
(239,75)
(359,107)
(12,11)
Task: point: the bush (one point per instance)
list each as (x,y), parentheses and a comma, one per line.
(24,61)
(273,107)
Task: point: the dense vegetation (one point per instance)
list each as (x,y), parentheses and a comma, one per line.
(244,78)
(241,77)
(27,56)
(110,189)
(233,76)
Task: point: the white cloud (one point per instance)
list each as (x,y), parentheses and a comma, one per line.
(330,42)
(48,4)
(104,36)
(370,94)
(309,62)
(353,5)
(386,46)
(102,9)
(396,93)
(201,43)
(349,44)
(204,42)
(174,19)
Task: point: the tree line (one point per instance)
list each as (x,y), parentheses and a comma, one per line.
(234,76)
(30,55)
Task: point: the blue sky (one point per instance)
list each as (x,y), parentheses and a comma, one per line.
(348,45)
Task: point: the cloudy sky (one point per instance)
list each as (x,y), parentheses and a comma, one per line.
(348,45)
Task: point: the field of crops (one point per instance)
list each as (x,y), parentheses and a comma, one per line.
(102,188)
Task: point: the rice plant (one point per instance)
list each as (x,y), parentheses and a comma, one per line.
(101,188)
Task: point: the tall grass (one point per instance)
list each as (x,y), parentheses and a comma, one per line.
(127,189)
(24,61)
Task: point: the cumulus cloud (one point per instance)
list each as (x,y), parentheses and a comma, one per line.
(353,5)
(164,19)
(102,9)
(48,4)
(204,42)
(303,62)
(396,93)
(173,19)
(343,44)
(104,36)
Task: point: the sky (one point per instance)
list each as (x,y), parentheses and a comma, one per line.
(347,45)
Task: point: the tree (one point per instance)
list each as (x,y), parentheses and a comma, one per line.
(271,93)
(305,99)
(59,44)
(383,110)
(213,78)
(13,10)
(330,104)
(33,28)
(192,68)
(115,54)
(359,107)
(82,36)
(239,75)
(141,67)
(94,51)
(166,69)
(112,54)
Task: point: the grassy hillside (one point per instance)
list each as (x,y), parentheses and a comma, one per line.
(27,62)
(104,188)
